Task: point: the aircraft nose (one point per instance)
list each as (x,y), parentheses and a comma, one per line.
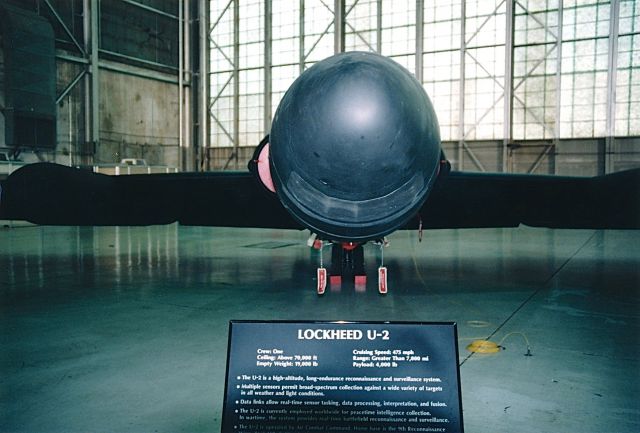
(355,146)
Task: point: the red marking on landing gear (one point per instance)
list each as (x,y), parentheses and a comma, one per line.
(335,283)
(382,280)
(322,280)
(360,283)
(350,246)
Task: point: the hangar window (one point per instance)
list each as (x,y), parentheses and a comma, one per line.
(628,73)
(502,74)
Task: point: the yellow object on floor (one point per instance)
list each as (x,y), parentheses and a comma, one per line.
(483,346)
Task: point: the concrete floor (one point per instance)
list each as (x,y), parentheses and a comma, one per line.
(125,329)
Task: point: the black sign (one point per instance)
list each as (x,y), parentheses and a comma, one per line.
(342,377)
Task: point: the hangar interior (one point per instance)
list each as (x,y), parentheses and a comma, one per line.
(125,328)
(522,86)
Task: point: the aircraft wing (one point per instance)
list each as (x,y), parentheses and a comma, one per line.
(59,195)
(473,200)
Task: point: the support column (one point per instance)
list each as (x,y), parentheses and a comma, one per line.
(301,37)
(187,92)
(203,97)
(236,82)
(338,26)
(419,39)
(508,85)
(92,83)
(185,120)
(379,27)
(461,87)
(181,141)
(611,87)
(267,65)
(556,129)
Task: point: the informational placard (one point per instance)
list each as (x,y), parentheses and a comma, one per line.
(342,377)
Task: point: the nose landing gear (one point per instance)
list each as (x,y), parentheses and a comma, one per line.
(347,261)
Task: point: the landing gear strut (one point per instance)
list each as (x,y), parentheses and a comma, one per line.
(347,261)
(382,270)
(321,272)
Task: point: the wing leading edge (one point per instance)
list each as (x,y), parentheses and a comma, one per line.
(58,195)
(474,200)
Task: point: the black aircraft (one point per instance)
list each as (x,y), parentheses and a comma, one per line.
(354,154)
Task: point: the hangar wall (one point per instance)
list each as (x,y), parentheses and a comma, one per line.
(137,86)
(138,119)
